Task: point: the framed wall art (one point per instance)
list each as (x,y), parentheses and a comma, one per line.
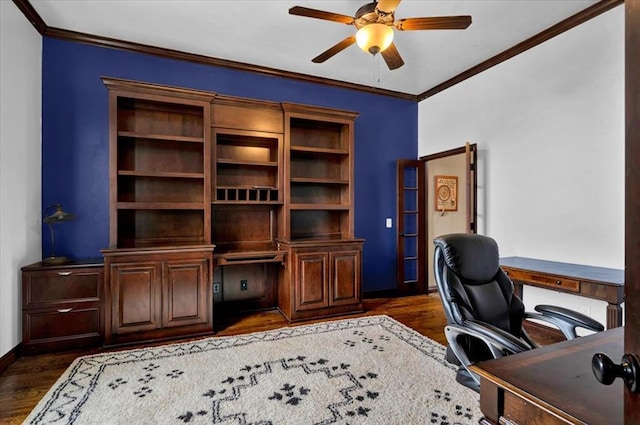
(446,189)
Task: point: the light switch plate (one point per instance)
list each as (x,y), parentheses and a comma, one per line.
(389,222)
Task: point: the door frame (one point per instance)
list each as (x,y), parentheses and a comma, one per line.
(470,191)
(472,218)
(417,286)
(632,196)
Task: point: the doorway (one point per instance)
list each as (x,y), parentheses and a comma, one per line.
(451,197)
(437,194)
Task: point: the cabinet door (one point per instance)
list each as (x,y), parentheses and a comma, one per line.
(345,277)
(136,303)
(186,300)
(311,281)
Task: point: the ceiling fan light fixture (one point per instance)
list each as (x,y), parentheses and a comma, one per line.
(374,38)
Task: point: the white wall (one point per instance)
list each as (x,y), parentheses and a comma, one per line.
(20,163)
(549,125)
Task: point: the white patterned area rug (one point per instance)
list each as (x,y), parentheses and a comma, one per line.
(369,370)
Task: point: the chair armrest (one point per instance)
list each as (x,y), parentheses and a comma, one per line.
(565,319)
(579,319)
(498,342)
(497,337)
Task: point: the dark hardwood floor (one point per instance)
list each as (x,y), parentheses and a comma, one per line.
(27,380)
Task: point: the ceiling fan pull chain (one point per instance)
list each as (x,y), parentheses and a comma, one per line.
(373,69)
(376,70)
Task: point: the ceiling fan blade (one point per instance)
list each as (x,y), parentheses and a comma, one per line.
(392,57)
(434,23)
(387,6)
(320,14)
(334,49)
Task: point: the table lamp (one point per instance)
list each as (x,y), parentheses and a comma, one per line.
(55,214)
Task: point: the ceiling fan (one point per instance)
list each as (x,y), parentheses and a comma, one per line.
(375,22)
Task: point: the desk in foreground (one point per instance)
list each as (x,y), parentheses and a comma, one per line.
(553,384)
(599,283)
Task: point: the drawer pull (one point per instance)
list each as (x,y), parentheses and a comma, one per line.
(64,273)
(64,310)
(558,282)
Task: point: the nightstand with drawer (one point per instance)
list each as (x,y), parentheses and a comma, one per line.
(62,306)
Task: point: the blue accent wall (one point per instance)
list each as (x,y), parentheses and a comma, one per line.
(75,141)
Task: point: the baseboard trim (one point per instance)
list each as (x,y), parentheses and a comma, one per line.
(394,293)
(383,293)
(9,358)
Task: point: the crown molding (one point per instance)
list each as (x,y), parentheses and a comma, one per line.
(113,43)
(32,16)
(96,40)
(557,29)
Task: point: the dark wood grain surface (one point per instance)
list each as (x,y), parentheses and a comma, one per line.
(600,283)
(559,380)
(579,271)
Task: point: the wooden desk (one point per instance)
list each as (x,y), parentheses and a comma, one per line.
(599,283)
(553,384)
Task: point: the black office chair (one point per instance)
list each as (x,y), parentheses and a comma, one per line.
(484,315)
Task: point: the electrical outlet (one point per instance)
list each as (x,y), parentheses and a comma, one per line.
(243,285)
(216,288)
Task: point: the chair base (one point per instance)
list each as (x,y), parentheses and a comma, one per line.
(464,377)
(451,357)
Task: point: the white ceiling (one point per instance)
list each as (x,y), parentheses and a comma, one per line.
(261,32)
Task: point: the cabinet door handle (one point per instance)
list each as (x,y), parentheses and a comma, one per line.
(64,273)
(64,310)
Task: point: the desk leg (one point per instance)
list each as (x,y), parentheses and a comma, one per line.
(614,316)
(491,401)
(517,287)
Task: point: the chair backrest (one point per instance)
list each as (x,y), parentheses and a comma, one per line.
(472,285)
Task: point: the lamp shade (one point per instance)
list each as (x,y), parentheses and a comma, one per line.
(55,214)
(374,38)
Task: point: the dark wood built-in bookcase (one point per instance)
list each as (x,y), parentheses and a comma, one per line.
(323,272)
(269,185)
(159,262)
(320,177)
(159,162)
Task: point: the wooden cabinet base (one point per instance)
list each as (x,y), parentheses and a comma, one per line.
(61,306)
(159,335)
(321,313)
(157,294)
(321,279)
